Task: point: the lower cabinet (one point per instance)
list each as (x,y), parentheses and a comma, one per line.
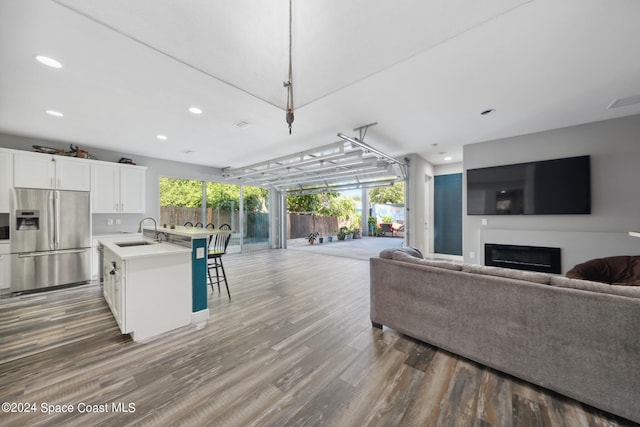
(112,286)
(5,271)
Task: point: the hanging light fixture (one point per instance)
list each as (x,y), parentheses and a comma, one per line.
(289,84)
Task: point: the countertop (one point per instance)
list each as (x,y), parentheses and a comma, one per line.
(191,232)
(131,252)
(115,234)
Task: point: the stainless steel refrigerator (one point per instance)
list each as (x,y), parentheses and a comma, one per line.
(50,238)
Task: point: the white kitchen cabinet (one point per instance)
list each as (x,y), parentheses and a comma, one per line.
(5,266)
(36,170)
(132,189)
(117,188)
(73,174)
(5,272)
(6,179)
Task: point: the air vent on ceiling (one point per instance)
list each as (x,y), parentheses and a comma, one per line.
(624,102)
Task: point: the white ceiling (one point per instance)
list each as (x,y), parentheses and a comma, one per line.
(422,69)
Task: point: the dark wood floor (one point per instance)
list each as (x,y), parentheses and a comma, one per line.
(294,347)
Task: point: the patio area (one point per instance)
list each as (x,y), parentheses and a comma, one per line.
(362,249)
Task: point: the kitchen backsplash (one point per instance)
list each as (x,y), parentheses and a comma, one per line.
(116,223)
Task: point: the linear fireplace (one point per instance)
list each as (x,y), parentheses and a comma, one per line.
(532,258)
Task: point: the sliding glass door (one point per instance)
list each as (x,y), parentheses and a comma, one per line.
(255,213)
(245,209)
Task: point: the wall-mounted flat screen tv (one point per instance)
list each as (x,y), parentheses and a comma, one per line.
(549,187)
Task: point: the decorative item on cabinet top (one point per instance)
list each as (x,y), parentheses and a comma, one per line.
(74,151)
(126,161)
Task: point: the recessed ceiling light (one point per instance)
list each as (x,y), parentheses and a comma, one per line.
(487,111)
(447,158)
(54,113)
(195,110)
(50,62)
(162,137)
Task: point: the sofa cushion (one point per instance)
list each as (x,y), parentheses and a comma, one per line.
(449,265)
(616,269)
(603,288)
(388,253)
(529,276)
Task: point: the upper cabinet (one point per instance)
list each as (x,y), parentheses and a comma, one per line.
(117,188)
(35,170)
(6,179)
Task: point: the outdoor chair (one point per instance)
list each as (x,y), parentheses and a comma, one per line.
(386,228)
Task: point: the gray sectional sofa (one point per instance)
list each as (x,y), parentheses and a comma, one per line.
(575,337)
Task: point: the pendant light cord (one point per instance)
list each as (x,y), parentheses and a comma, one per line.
(289,84)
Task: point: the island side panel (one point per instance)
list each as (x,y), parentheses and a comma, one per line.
(199,274)
(157,294)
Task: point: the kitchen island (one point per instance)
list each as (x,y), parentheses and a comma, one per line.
(147,284)
(197,239)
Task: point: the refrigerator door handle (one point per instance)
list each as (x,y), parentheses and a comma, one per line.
(56,208)
(51,220)
(62,252)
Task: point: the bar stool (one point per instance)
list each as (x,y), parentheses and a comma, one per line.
(217,247)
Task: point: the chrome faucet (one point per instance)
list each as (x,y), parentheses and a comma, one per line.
(155,225)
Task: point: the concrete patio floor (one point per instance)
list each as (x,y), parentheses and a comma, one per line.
(363,248)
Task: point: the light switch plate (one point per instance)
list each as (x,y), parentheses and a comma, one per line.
(199,253)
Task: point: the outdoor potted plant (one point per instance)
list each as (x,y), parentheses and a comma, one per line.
(312,237)
(356,233)
(342,232)
(321,239)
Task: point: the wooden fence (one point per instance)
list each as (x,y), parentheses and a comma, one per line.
(301,225)
(179,216)
(298,225)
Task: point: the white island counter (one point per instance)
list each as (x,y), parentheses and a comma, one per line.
(120,245)
(147,284)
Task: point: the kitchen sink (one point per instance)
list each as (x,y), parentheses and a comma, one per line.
(138,243)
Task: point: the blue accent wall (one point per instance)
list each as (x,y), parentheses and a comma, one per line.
(199,275)
(447,207)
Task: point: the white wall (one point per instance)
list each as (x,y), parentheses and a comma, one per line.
(448,168)
(614,147)
(419,213)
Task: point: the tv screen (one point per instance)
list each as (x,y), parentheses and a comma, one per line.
(549,187)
